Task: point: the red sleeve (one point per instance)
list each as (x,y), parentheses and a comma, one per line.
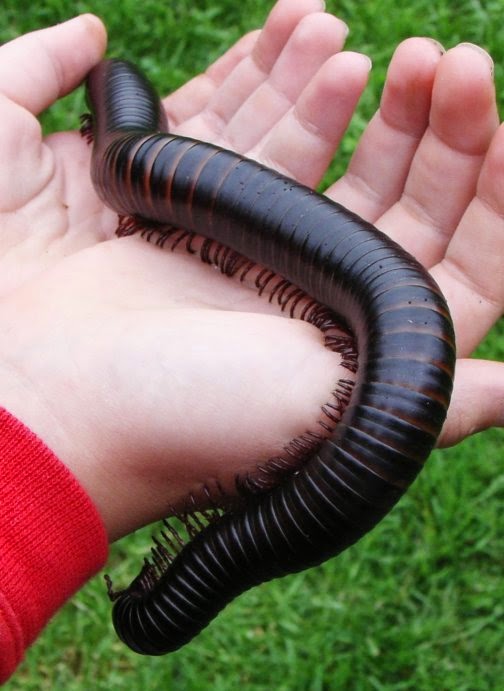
(52,538)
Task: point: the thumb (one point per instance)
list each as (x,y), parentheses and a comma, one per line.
(50,63)
(477,401)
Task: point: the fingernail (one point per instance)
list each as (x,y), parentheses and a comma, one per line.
(365,59)
(346,28)
(481,51)
(438,45)
(370,63)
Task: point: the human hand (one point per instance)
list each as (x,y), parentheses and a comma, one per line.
(116,385)
(428,172)
(145,372)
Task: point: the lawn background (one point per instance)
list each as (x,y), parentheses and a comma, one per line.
(417,604)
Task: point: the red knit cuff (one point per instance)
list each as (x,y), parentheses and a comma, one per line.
(52,539)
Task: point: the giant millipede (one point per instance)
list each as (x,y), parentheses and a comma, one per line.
(396,312)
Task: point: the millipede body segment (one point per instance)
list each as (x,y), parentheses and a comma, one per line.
(395,310)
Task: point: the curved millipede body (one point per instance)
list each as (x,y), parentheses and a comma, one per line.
(398,316)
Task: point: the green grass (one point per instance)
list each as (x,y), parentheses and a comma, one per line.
(419,603)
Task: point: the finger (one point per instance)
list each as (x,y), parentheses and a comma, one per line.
(49,63)
(281,22)
(313,41)
(463,120)
(252,70)
(379,167)
(303,143)
(193,96)
(471,274)
(477,401)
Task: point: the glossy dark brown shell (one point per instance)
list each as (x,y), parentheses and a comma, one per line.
(395,310)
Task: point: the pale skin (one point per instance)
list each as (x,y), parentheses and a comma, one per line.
(148,373)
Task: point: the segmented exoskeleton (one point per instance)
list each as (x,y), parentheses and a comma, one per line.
(397,314)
